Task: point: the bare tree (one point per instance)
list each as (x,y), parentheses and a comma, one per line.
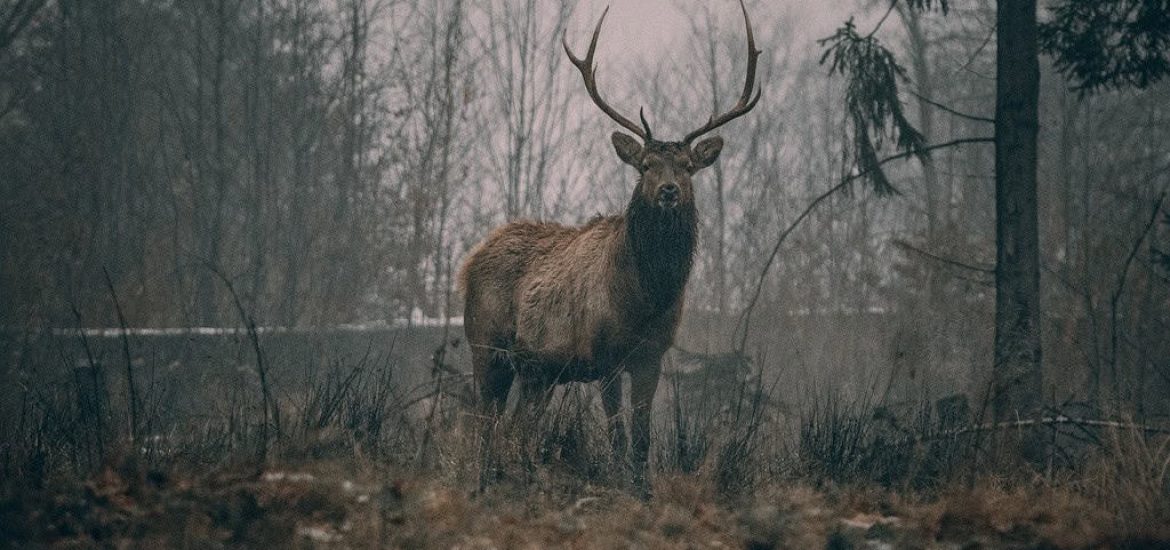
(524,124)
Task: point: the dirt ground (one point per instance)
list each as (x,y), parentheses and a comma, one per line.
(325,505)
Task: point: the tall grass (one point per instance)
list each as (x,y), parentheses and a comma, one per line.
(732,440)
(843,442)
(72,426)
(1130,477)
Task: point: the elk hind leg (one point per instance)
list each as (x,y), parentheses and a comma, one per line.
(611,401)
(495,382)
(535,395)
(494,374)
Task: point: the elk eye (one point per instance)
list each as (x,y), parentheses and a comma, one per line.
(645,164)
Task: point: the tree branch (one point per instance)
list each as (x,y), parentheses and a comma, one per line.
(745,318)
(903,244)
(1045,421)
(893,4)
(1115,299)
(131,388)
(18,17)
(271,408)
(959,114)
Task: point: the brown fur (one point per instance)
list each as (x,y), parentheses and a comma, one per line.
(551,304)
(568,298)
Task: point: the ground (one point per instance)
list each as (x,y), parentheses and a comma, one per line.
(346,505)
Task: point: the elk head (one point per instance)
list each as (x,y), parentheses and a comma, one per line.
(665,167)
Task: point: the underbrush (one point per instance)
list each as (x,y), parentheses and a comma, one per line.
(349,455)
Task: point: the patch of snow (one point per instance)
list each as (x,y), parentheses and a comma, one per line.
(417,320)
(287,476)
(319,534)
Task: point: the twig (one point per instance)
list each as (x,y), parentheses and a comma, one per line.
(327,408)
(21,15)
(893,4)
(96,379)
(430,423)
(950,110)
(419,399)
(1046,421)
(1116,298)
(271,411)
(131,389)
(974,54)
(903,244)
(745,318)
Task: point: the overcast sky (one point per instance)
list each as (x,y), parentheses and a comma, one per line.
(655,27)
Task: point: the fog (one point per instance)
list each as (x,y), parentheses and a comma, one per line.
(313,166)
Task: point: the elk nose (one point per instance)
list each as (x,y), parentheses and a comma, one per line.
(668,191)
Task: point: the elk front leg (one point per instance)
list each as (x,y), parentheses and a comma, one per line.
(611,400)
(643,385)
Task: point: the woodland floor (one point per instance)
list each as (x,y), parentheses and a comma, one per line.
(341,505)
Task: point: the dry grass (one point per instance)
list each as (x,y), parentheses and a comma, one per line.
(355,465)
(1131,480)
(333,504)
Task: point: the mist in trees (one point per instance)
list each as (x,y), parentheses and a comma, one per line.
(1097,45)
(335,161)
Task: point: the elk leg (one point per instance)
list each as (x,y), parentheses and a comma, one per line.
(611,400)
(643,385)
(495,384)
(535,395)
(494,374)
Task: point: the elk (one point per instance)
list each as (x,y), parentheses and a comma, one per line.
(547,304)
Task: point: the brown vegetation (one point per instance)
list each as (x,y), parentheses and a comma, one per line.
(351,466)
(362,505)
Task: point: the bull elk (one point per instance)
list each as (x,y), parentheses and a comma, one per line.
(547,304)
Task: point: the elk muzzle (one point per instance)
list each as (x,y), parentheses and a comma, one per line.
(668,196)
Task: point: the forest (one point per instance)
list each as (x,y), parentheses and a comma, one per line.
(928,304)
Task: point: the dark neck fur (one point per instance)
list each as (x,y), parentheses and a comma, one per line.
(662,244)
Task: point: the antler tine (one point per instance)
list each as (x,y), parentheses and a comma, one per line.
(589,75)
(746,100)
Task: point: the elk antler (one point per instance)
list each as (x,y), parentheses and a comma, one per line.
(746,101)
(589,74)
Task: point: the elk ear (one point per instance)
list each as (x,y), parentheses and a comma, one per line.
(628,149)
(707,151)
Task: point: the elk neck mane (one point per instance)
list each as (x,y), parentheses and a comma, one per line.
(661,245)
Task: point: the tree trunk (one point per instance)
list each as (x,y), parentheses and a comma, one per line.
(1017,376)
(209,304)
(929,310)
